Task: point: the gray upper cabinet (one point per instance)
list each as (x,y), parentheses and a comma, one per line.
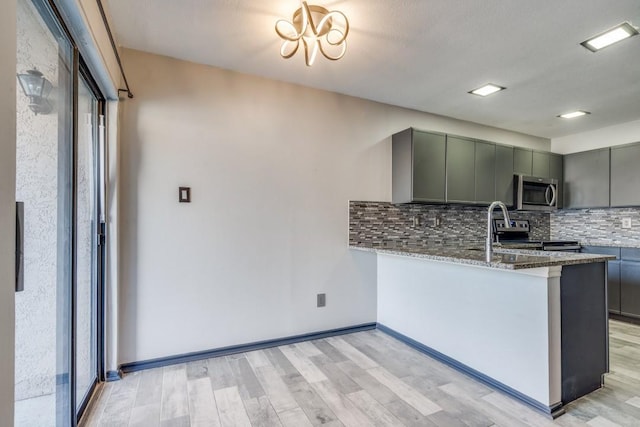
(485,172)
(540,164)
(460,170)
(586,179)
(418,167)
(432,167)
(522,161)
(555,171)
(504,174)
(625,175)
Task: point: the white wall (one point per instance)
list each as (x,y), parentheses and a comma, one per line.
(272,167)
(624,133)
(7,206)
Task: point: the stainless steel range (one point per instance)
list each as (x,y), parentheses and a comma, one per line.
(518,236)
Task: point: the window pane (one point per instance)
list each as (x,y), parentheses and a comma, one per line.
(86,232)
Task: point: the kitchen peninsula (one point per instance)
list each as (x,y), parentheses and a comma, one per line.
(532,324)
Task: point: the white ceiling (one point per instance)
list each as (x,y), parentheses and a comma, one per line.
(422,54)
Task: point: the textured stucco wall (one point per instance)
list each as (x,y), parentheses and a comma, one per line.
(36,186)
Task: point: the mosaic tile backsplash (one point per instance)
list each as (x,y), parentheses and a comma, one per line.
(597,226)
(385,224)
(413,225)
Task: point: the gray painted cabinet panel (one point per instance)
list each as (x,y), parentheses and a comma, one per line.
(625,175)
(586,179)
(630,288)
(630,254)
(540,164)
(504,174)
(613,274)
(613,286)
(584,355)
(555,171)
(485,171)
(522,161)
(460,169)
(418,167)
(429,151)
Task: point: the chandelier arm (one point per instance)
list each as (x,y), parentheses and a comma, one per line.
(331,57)
(293,52)
(328,17)
(307,20)
(291,27)
(310,57)
(339,41)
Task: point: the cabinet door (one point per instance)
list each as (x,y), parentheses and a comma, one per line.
(613,274)
(504,174)
(460,170)
(630,254)
(429,150)
(555,171)
(540,165)
(630,288)
(586,179)
(485,166)
(522,161)
(625,175)
(613,286)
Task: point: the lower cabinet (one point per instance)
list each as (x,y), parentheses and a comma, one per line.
(613,275)
(630,282)
(630,288)
(623,279)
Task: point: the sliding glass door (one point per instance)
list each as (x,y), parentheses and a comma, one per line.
(86,243)
(59,112)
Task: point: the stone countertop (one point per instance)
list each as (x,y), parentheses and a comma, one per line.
(506,259)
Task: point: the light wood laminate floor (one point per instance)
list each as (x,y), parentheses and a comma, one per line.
(362,379)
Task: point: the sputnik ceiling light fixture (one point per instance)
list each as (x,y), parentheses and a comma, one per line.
(318,29)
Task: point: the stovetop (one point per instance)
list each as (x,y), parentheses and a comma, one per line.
(519,235)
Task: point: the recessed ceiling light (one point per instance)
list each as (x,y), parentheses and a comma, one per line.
(573,114)
(609,37)
(487,89)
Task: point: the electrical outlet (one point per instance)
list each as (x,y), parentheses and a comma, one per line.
(437,221)
(626,222)
(321,300)
(416,221)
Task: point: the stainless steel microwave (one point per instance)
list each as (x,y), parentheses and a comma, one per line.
(536,194)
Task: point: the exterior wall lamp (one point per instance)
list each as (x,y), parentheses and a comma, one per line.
(37,88)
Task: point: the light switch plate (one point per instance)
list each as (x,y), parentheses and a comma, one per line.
(321,300)
(184,194)
(626,222)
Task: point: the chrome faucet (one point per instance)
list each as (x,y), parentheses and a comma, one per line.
(507,223)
